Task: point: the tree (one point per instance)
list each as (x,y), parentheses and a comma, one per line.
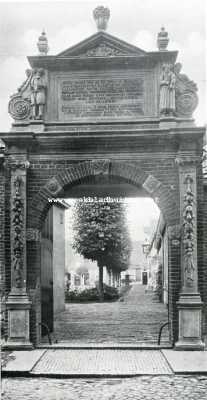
(101,235)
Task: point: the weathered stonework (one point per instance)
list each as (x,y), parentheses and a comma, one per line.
(18,304)
(101,167)
(189,304)
(33,234)
(18,232)
(151,184)
(100,98)
(104,111)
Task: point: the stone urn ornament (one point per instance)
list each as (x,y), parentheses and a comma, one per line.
(101,15)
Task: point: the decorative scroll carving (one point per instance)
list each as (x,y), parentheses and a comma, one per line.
(103,50)
(101,167)
(30,98)
(17,224)
(177,92)
(19,105)
(189,232)
(53,186)
(151,184)
(185,94)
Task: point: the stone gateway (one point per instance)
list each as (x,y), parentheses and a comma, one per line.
(104,111)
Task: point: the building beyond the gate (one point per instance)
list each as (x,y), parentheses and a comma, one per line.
(104,116)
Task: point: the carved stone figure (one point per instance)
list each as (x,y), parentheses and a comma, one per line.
(167,90)
(164,91)
(38,97)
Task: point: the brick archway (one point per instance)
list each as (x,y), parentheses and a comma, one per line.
(75,174)
(54,187)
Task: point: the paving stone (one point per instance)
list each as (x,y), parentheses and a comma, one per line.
(102,362)
(187,361)
(104,389)
(22,361)
(137,319)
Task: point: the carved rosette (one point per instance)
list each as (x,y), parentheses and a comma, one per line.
(189,233)
(186,103)
(29,101)
(19,108)
(18,233)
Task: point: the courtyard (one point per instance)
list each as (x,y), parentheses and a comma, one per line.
(136,319)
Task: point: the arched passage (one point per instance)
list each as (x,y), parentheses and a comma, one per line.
(70,177)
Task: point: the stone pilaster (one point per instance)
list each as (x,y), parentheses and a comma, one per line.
(18,303)
(189,304)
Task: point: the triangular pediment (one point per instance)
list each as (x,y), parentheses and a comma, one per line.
(102,45)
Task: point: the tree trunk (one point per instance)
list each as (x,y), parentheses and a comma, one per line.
(100,286)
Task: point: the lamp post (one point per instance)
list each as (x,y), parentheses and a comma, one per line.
(145,249)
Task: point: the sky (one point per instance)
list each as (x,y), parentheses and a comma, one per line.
(68,22)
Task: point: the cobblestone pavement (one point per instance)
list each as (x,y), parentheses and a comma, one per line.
(137,318)
(141,388)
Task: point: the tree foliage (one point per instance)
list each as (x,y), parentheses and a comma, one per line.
(101,233)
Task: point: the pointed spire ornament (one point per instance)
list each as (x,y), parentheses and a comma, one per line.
(162,39)
(101,15)
(42,44)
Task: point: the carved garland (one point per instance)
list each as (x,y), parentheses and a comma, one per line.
(189,232)
(17,224)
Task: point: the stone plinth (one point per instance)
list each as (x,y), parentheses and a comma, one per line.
(190,308)
(18,322)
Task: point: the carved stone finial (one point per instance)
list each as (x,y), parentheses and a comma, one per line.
(42,44)
(101,15)
(162,39)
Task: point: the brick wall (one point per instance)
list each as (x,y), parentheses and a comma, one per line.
(70,172)
(2,233)
(205,257)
